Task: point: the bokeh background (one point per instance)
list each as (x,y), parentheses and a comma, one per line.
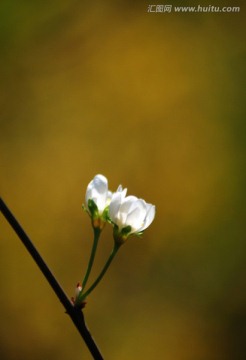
(155,102)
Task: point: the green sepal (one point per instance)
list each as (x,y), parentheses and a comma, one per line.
(139,234)
(105,215)
(121,236)
(93,208)
(85,209)
(126,230)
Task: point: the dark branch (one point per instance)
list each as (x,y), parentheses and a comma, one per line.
(76,314)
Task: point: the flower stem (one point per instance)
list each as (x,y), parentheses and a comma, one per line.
(106,266)
(97,233)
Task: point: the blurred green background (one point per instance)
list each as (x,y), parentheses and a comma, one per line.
(154,102)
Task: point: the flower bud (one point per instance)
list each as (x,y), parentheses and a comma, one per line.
(97,200)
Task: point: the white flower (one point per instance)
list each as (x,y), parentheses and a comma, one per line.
(130,211)
(97,191)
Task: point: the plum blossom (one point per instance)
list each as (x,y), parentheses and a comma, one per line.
(129,214)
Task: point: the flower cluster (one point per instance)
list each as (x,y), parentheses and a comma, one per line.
(128,214)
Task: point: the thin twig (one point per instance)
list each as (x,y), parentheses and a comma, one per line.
(75,313)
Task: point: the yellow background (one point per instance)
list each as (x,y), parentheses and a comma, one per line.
(155,102)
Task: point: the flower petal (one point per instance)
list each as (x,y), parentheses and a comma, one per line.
(114,206)
(150,215)
(100,184)
(126,207)
(117,199)
(136,217)
(128,204)
(109,198)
